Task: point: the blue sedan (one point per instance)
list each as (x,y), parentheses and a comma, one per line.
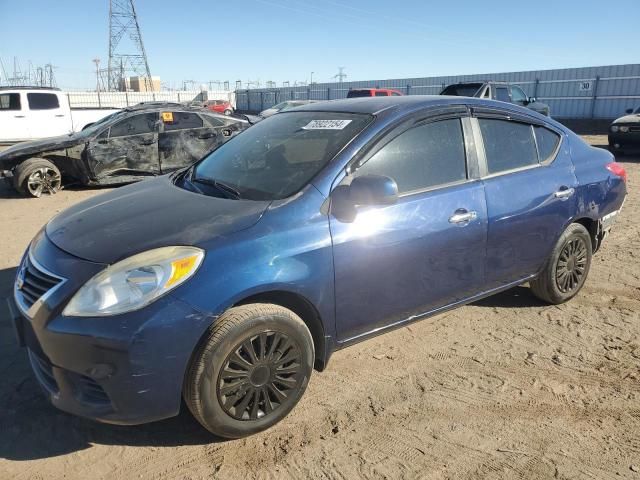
(228,282)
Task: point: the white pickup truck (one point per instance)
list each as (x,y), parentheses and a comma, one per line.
(29,113)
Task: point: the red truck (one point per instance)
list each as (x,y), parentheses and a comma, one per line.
(373,92)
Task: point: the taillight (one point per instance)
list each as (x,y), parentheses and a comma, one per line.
(617,169)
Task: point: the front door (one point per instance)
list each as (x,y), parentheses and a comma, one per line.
(422,253)
(185,139)
(529,184)
(129,147)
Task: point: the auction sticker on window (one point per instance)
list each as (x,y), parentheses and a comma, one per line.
(326,124)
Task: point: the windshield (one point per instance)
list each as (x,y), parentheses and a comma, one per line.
(278,156)
(279,106)
(462,90)
(637,110)
(98,125)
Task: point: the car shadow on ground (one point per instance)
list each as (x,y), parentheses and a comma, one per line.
(32,428)
(517,297)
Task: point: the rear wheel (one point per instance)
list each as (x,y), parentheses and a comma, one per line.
(37,176)
(228,112)
(567,268)
(250,370)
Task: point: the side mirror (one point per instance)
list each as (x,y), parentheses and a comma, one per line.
(373,190)
(531,100)
(629,111)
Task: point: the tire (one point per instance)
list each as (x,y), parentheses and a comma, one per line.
(567,268)
(234,394)
(36,176)
(228,112)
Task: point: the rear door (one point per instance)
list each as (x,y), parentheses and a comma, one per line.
(14,121)
(424,252)
(128,147)
(529,183)
(47,116)
(185,138)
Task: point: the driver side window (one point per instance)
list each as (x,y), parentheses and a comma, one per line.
(517,95)
(426,156)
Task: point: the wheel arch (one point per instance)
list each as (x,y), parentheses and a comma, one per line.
(302,307)
(593,227)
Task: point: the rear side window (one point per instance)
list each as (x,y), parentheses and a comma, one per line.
(9,101)
(214,122)
(462,89)
(42,101)
(502,94)
(183,121)
(395,94)
(547,142)
(423,157)
(508,145)
(381,94)
(136,125)
(358,93)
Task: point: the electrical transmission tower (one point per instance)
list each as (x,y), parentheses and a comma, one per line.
(126,58)
(340,75)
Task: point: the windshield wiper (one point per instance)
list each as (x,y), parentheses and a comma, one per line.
(224,187)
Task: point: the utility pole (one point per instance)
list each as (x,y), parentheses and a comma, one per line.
(97,62)
(311,81)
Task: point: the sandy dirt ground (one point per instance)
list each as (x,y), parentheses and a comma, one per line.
(504,388)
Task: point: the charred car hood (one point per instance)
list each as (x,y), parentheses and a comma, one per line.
(633,118)
(151,214)
(42,145)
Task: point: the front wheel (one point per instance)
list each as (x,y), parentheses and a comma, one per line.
(567,268)
(36,176)
(228,112)
(250,370)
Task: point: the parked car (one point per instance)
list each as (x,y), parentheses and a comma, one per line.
(220,106)
(624,132)
(502,91)
(373,92)
(284,106)
(28,113)
(227,282)
(131,144)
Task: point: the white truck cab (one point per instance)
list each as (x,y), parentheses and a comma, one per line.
(29,113)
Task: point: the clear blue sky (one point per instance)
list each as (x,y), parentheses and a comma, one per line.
(287,39)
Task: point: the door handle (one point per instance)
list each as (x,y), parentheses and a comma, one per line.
(462,216)
(564,192)
(18,116)
(204,136)
(59,116)
(147,142)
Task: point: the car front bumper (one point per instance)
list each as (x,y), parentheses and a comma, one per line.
(624,141)
(124,369)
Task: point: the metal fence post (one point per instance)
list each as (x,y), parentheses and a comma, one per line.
(178,97)
(308,93)
(248,101)
(535,88)
(595,96)
(261,101)
(126,96)
(408,89)
(328,93)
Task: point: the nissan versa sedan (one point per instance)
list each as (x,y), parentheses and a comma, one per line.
(228,282)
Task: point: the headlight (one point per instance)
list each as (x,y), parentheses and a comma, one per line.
(134,282)
(624,129)
(614,128)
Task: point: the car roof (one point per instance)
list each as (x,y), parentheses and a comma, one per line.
(17,87)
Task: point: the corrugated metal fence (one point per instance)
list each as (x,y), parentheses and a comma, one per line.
(126,99)
(588,92)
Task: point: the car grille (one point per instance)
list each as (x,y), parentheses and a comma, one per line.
(43,372)
(91,392)
(634,128)
(33,282)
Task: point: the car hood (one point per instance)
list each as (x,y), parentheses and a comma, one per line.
(633,118)
(150,214)
(41,145)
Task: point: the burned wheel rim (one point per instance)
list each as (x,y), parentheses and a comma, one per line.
(260,376)
(43,180)
(572,265)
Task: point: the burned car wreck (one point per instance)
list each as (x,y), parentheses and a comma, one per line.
(132,144)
